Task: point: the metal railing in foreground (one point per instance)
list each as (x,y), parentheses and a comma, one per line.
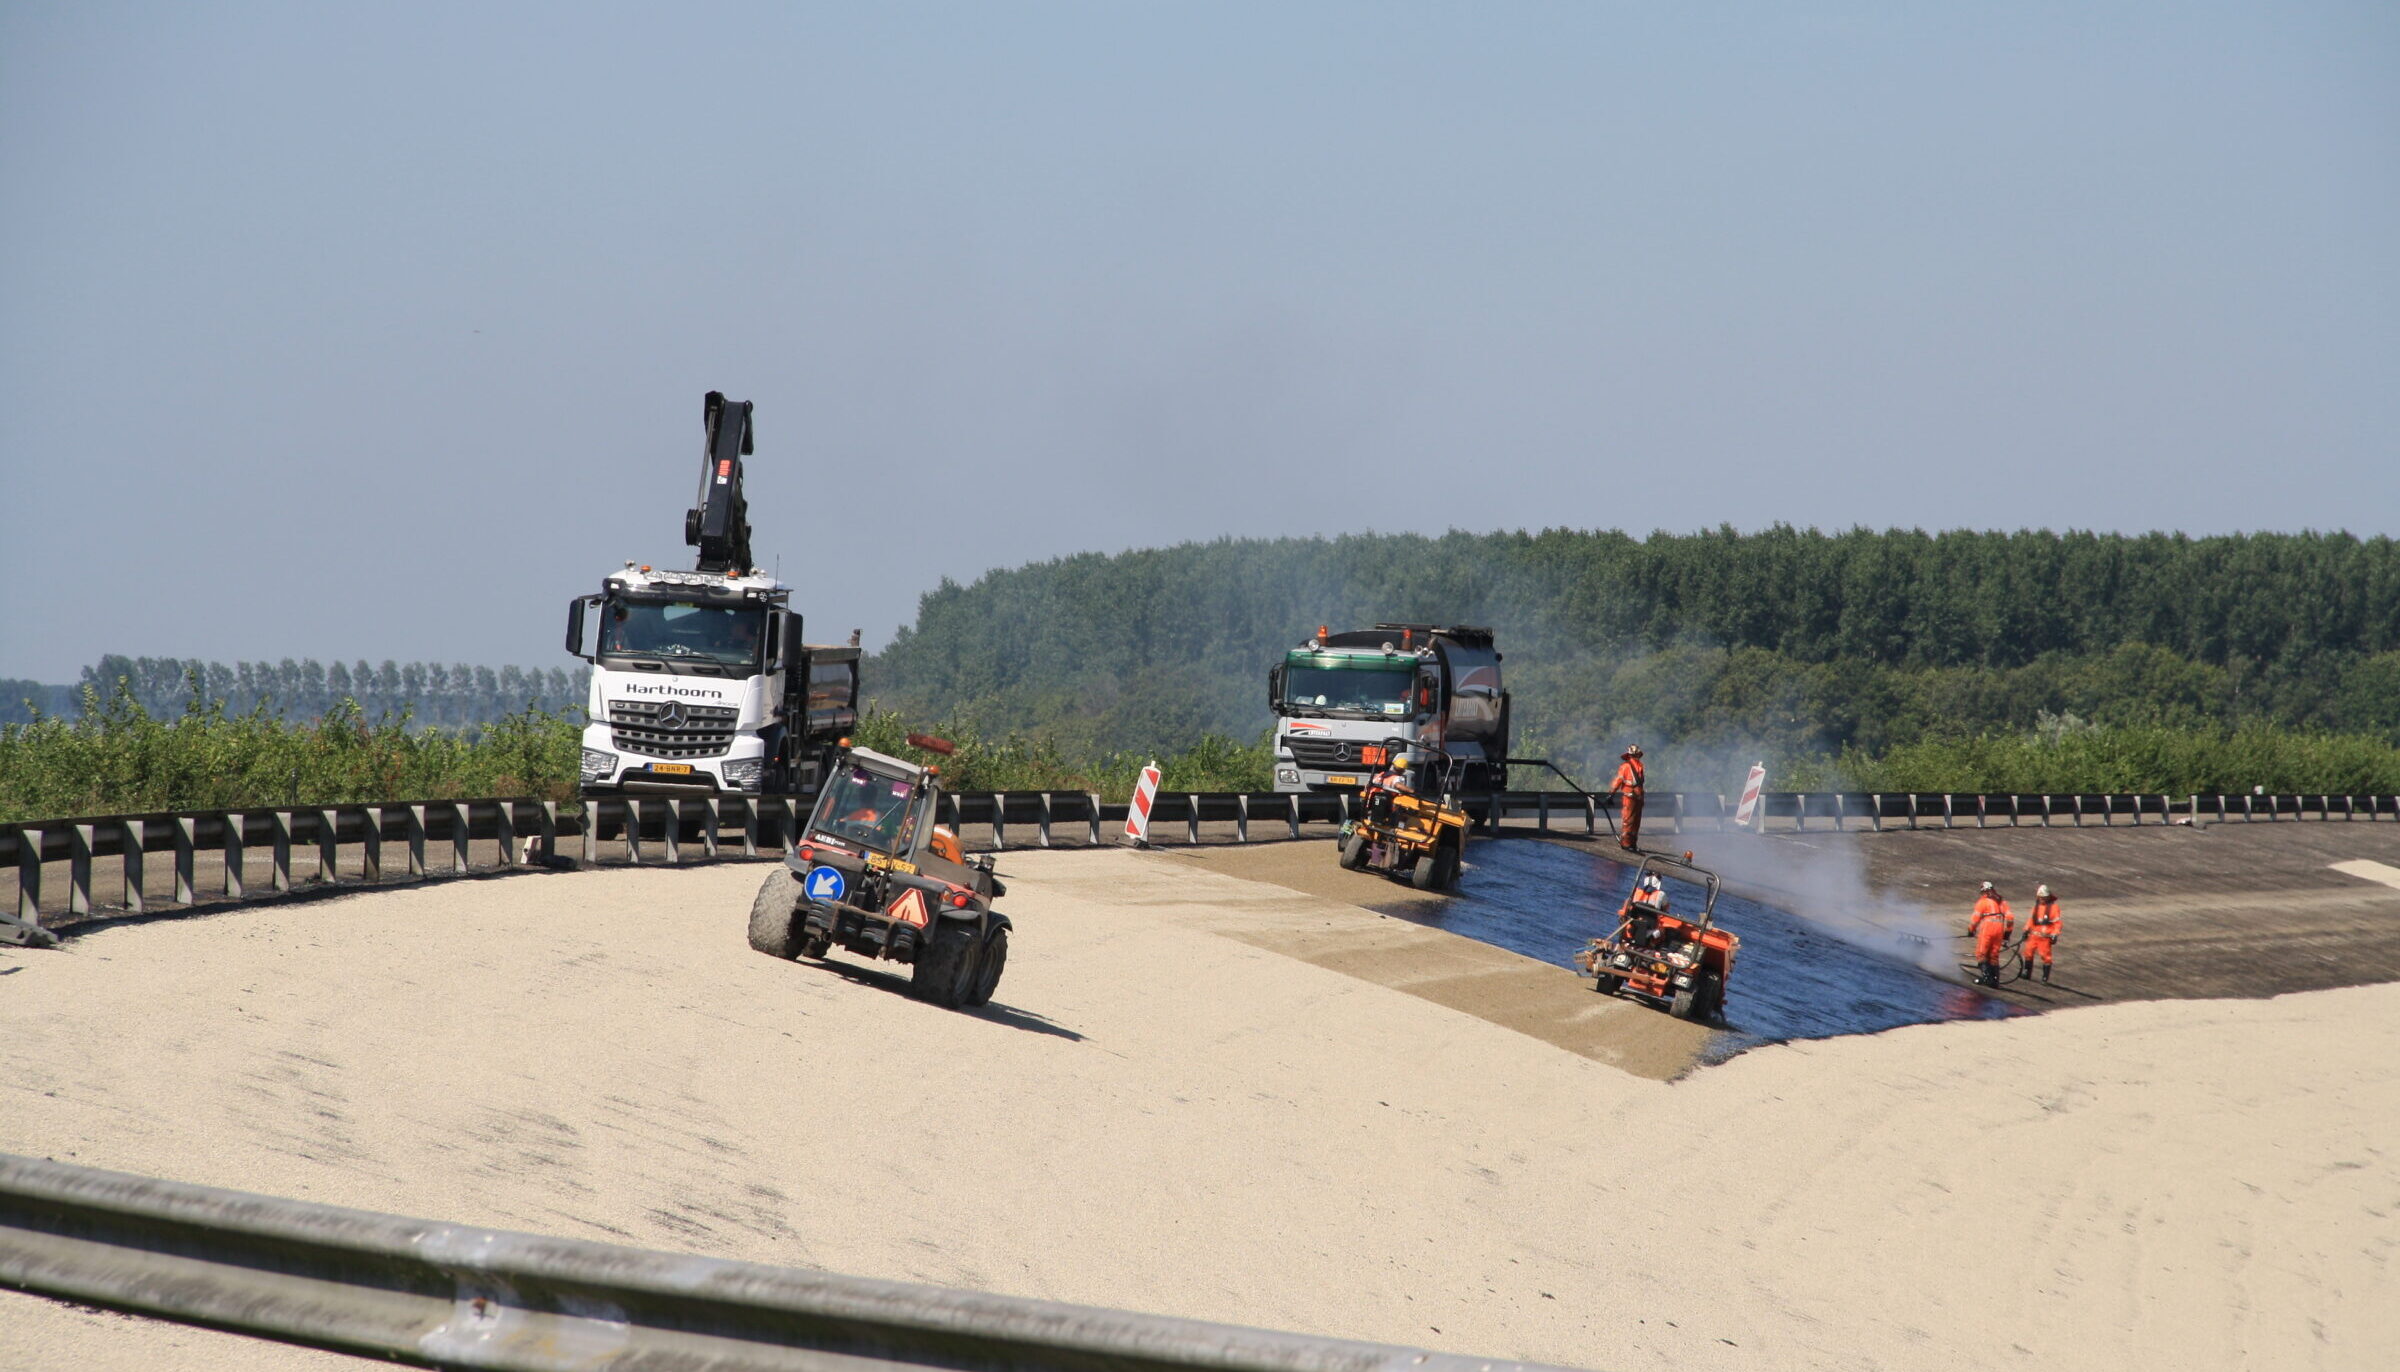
(447,1295)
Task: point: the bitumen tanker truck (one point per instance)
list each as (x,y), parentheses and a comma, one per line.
(702,683)
(1346,703)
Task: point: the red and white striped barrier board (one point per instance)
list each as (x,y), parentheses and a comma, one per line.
(1137,815)
(1748,809)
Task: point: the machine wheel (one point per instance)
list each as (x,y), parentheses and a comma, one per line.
(1451,861)
(818,947)
(989,966)
(1354,852)
(1711,1006)
(1684,1003)
(945,967)
(1427,874)
(1608,983)
(771,913)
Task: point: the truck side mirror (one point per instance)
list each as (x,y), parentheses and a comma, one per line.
(575,627)
(795,644)
(1275,686)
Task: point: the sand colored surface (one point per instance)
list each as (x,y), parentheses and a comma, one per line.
(1157,1116)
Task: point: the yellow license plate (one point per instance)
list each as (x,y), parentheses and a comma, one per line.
(672,769)
(1341,781)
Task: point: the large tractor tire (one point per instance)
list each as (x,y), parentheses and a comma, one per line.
(772,913)
(945,972)
(1354,852)
(989,966)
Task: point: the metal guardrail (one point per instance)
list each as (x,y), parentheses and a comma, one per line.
(433,837)
(448,1295)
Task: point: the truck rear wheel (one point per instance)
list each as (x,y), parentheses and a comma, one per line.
(771,913)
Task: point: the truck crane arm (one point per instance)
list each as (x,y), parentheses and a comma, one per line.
(719,526)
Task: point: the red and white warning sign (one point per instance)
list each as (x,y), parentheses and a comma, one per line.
(909,908)
(1748,809)
(1137,815)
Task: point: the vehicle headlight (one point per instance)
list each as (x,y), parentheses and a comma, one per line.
(597,765)
(1287,774)
(743,774)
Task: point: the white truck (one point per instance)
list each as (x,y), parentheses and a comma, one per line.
(1347,704)
(702,683)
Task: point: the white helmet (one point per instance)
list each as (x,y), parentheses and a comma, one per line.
(2042,891)
(1987,886)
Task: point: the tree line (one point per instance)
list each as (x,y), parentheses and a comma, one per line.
(447,695)
(1796,644)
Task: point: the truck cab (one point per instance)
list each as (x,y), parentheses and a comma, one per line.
(702,684)
(1347,704)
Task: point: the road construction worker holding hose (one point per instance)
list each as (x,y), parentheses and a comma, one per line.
(1628,789)
(2041,930)
(1990,927)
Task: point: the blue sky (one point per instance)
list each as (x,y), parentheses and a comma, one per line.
(351,331)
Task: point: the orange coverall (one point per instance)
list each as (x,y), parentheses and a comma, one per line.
(2041,929)
(1991,927)
(1629,785)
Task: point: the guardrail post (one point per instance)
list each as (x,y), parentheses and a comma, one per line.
(549,839)
(633,829)
(674,831)
(184,847)
(1092,799)
(1541,811)
(1841,811)
(79,869)
(370,863)
(1191,815)
(2016,809)
(462,830)
(1294,798)
(329,833)
(504,828)
(750,826)
(1241,817)
(2324,807)
(282,877)
(1799,813)
(416,841)
(1981,806)
(708,830)
(1000,821)
(1043,830)
(591,831)
(1912,812)
(1949,810)
(1679,826)
(237,824)
(2045,809)
(29,876)
(135,833)
(1591,816)
(2220,807)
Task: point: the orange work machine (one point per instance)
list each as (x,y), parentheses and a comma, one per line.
(1679,961)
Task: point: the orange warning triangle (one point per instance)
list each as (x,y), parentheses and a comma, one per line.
(909,908)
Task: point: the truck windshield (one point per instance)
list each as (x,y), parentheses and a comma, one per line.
(1378,690)
(865,807)
(682,628)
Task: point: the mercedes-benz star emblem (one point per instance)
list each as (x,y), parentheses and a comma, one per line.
(670,716)
(1341,753)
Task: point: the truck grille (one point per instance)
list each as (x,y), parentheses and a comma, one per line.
(1324,753)
(671,729)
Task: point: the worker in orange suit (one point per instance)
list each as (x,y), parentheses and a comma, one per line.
(1990,927)
(2041,930)
(1628,790)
